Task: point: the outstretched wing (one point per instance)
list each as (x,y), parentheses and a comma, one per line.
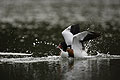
(77,45)
(78,39)
(91,35)
(86,36)
(68,36)
(81,36)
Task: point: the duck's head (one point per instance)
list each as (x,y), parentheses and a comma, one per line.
(62,46)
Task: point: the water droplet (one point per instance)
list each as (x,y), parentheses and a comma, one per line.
(34,44)
(47,43)
(56,45)
(36,39)
(53,44)
(50,43)
(23,37)
(27,51)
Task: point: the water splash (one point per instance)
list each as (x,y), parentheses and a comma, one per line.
(30,59)
(44,42)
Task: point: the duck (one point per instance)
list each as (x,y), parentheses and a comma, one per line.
(73,41)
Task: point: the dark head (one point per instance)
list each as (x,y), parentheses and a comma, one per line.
(75,29)
(63,46)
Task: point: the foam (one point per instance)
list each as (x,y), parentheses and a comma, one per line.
(30,59)
(21,54)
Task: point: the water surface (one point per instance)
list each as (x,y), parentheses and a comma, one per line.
(34,27)
(55,68)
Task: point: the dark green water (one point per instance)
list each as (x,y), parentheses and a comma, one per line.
(35,27)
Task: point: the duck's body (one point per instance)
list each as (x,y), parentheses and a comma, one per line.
(76,49)
(73,45)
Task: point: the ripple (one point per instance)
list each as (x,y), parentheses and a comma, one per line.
(55,58)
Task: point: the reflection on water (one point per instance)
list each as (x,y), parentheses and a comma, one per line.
(63,69)
(88,70)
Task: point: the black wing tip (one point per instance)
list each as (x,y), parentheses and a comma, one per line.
(91,35)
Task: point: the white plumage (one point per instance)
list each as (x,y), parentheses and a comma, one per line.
(68,36)
(74,41)
(77,45)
